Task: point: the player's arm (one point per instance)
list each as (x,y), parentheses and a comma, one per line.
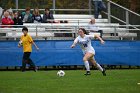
(101,40)
(35,45)
(74,43)
(31,40)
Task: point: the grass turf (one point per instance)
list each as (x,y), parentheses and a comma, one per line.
(116,81)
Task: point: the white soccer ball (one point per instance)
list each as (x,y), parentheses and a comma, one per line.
(61,73)
(20,43)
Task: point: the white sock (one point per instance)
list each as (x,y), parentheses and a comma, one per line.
(87,65)
(99,67)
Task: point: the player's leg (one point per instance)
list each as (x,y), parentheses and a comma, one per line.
(24,61)
(93,61)
(31,63)
(23,65)
(85,59)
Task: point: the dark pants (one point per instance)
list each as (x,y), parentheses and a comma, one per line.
(26,60)
(98,7)
(101,32)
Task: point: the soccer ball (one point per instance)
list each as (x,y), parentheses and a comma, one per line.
(20,43)
(61,73)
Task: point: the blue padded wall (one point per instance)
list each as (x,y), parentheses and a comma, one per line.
(54,53)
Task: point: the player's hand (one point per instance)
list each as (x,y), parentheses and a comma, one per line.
(37,48)
(72,46)
(102,42)
(19,45)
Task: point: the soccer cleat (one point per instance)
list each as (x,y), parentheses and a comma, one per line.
(87,73)
(103,72)
(23,71)
(35,69)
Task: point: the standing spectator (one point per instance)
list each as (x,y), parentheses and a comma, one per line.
(6,20)
(17,19)
(47,17)
(26,16)
(98,7)
(93,28)
(36,16)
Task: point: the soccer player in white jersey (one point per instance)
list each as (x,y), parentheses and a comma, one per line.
(84,41)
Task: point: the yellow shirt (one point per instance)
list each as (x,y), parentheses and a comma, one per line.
(27,43)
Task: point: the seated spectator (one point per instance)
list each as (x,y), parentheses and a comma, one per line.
(36,16)
(48,17)
(26,16)
(6,20)
(11,15)
(17,19)
(4,10)
(92,27)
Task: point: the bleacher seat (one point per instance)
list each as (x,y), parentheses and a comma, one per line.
(74,22)
(127,35)
(71,16)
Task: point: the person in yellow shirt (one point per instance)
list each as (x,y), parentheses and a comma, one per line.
(26,42)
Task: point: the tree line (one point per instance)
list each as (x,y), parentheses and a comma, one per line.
(133,5)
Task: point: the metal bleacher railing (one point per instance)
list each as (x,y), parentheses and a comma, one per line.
(48,31)
(125,15)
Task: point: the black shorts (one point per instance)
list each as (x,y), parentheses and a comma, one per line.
(26,55)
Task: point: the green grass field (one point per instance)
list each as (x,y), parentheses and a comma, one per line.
(116,81)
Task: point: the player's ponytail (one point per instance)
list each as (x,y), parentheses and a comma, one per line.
(85,32)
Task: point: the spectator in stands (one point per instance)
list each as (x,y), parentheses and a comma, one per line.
(47,17)
(6,20)
(36,16)
(98,7)
(17,19)
(26,41)
(11,15)
(4,10)
(27,16)
(93,28)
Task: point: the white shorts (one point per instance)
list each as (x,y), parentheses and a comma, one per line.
(89,51)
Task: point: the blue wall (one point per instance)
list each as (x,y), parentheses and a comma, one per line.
(59,53)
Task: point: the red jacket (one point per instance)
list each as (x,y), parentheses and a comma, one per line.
(7,21)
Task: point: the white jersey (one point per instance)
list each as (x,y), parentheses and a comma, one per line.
(85,43)
(93,27)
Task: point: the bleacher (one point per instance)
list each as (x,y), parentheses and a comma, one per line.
(48,30)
